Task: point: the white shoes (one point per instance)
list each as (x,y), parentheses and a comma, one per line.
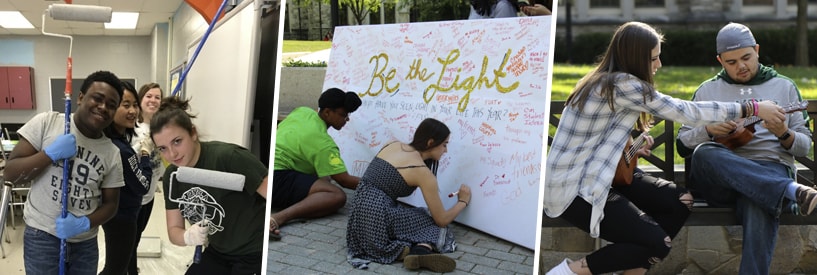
(561,269)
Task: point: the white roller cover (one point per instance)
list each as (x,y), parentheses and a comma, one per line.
(198,176)
(73,12)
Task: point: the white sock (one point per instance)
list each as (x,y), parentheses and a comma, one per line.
(561,269)
(791,191)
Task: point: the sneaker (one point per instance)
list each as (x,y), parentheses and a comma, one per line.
(795,209)
(421,257)
(561,269)
(806,200)
(435,262)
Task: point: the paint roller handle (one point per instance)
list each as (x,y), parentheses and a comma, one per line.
(197,256)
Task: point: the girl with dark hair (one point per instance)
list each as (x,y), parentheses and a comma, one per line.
(234,220)
(121,230)
(149,98)
(382,230)
(639,219)
(484,9)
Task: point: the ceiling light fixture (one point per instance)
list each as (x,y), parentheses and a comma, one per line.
(123,20)
(14,20)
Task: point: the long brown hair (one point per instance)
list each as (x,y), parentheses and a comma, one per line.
(630,51)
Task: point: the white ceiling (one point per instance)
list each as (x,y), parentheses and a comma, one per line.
(150,13)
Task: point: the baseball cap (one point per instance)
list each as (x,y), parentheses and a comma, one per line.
(734,36)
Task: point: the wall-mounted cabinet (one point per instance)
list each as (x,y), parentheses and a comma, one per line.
(16,88)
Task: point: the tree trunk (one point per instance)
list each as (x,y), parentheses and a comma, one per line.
(801,46)
(334,11)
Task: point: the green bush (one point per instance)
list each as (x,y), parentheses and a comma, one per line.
(691,47)
(299,63)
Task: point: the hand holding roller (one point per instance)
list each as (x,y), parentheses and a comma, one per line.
(197,233)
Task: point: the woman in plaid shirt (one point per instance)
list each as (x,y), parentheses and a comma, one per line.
(639,219)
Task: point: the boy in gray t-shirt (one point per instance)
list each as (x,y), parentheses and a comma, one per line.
(95,175)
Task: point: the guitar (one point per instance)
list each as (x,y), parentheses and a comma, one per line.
(628,161)
(746,130)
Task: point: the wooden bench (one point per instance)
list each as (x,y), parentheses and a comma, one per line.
(702,214)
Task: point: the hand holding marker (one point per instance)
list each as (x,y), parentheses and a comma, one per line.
(463,194)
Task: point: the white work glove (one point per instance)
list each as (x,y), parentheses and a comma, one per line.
(147,146)
(196,234)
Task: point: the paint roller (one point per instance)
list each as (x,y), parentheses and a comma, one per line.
(198,48)
(71,13)
(204,177)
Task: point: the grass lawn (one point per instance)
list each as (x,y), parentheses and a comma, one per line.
(679,82)
(305,46)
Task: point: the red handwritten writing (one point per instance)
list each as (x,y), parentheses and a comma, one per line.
(487,129)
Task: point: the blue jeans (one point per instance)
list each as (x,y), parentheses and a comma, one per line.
(41,253)
(755,188)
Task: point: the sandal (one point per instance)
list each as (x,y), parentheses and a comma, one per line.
(274,236)
(690,202)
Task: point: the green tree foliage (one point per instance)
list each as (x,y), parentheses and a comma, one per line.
(362,8)
(437,10)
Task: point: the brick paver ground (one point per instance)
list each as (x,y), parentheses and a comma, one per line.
(318,246)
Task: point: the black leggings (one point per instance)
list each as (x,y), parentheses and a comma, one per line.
(120,237)
(141,224)
(214,262)
(639,219)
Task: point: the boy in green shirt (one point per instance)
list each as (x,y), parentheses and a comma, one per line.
(306,157)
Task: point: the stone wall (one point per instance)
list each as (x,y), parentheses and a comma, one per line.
(696,250)
(300,86)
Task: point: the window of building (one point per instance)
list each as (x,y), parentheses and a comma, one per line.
(758,2)
(604,3)
(649,3)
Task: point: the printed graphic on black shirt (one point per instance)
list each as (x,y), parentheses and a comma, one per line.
(196,204)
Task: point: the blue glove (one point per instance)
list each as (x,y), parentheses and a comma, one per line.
(65,146)
(71,225)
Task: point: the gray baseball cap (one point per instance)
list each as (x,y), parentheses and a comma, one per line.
(734,36)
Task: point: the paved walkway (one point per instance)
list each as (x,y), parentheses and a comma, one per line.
(318,56)
(318,246)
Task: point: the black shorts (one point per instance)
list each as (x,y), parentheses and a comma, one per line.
(289,187)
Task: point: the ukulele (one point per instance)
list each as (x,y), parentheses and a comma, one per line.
(628,161)
(746,130)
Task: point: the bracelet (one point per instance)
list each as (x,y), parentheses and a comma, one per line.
(465,202)
(784,136)
(750,109)
(744,110)
(754,106)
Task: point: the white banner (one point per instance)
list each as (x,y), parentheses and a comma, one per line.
(485,79)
